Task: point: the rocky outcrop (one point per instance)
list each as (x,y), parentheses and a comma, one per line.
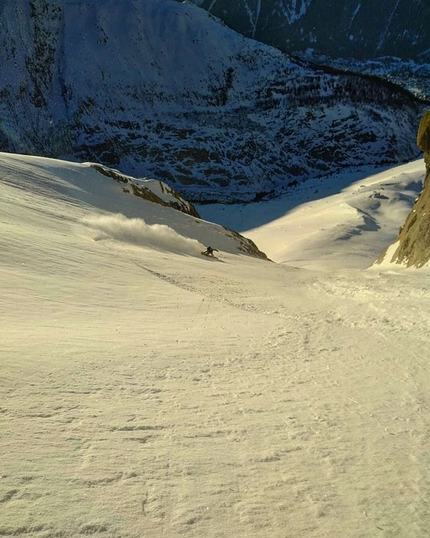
(413,244)
(150,190)
(423,138)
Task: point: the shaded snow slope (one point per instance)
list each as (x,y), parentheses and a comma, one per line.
(147,392)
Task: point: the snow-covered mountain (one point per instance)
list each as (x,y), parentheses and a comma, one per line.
(161,89)
(346,28)
(387,39)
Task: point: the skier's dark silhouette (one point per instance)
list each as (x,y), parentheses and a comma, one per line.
(210,251)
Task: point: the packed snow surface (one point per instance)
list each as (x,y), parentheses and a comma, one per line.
(146,390)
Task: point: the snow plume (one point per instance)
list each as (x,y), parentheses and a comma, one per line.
(138,232)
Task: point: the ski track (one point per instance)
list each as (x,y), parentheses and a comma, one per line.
(267,435)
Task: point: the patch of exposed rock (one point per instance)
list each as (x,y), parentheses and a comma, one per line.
(149,189)
(413,248)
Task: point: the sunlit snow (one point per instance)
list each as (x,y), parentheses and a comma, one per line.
(149,391)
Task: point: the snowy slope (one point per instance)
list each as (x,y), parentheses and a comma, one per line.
(148,391)
(346,222)
(114,212)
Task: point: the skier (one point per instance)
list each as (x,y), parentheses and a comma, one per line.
(210,251)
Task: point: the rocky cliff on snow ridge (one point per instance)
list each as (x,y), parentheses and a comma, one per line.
(412,247)
(149,189)
(163,90)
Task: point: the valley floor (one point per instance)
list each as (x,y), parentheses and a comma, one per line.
(145,393)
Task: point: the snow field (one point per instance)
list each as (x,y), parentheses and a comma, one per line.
(147,392)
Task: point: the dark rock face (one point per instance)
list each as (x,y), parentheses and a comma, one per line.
(423,137)
(347,28)
(414,236)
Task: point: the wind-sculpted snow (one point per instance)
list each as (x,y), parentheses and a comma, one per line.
(137,231)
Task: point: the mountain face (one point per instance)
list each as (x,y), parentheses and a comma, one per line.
(163,90)
(387,38)
(347,28)
(413,244)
